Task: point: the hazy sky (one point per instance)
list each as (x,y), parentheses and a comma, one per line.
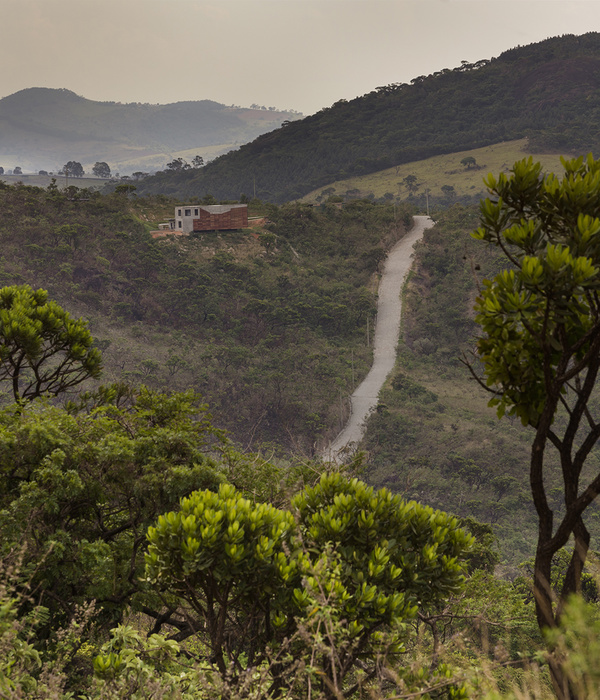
(299,54)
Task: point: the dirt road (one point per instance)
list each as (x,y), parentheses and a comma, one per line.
(389,309)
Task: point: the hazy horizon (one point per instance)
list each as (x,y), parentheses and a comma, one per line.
(288,54)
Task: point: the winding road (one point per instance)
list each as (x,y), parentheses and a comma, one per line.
(389,310)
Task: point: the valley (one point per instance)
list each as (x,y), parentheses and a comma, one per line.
(231,468)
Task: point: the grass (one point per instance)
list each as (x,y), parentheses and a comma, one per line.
(93,183)
(434,173)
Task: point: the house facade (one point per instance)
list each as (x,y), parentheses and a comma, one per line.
(209,217)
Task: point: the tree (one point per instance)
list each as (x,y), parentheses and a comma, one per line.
(1,170)
(73,168)
(197,162)
(178,164)
(449,191)
(392,560)
(351,569)
(226,557)
(43,351)
(101,169)
(80,486)
(469,162)
(411,183)
(125,189)
(17,170)
(540,348)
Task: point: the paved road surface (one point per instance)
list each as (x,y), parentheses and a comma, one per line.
(387,330)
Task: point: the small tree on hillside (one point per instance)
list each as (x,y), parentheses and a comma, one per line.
(101,169)
(178,164)
(469,162)
(540,348)
(73,168)
(411,183)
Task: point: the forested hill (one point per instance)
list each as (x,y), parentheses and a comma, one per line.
(45,128)
(549,92)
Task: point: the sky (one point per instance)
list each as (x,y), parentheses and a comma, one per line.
(289,54)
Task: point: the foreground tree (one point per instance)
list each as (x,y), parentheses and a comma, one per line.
(43,351)
(540,348)
(336,585)
(79,488)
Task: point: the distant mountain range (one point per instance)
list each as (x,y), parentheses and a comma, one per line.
(548,92)
(43,128)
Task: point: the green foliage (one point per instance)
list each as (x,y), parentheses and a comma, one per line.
(532,315)
(259,334)
(43,352)
(19,660)
(226,557)
(130,665)
(394,544)
(79,490)
(540,347)
(251,573)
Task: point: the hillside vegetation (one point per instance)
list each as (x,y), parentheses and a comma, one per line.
(548,92)
(269,324)
(43,128)
(433,437)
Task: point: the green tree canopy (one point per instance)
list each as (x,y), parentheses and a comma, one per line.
(79,488)
(43,351)
(361,560)
(540,345)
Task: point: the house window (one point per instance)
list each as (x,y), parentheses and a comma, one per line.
(179,212)
(188,212)
(195,212)
(179,224)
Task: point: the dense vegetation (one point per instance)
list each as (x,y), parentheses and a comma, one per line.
(549,92)
(269,324)
(229,575)
(260,582)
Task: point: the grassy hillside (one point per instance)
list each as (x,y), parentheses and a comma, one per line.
(549,92)
(436,172)
(93,183)
(42,128)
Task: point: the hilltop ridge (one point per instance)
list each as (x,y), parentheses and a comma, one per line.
(46,127)
(548,92)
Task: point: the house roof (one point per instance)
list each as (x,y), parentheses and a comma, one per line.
(213,208)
